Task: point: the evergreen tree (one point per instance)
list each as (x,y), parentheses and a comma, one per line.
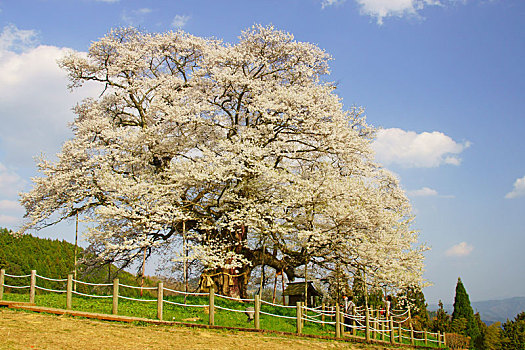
(513,334)
(492,337)
(442,321)
(463,309)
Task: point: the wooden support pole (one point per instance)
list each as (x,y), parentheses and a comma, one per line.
(32,287)
(69,292)
(322,314)
(383,333)
(400,334)
(392,332)
(342,322)
(444,339)
(367,325)
(211,315)
(426,337)
(412,341)
(354,322)
(304,312)
(160,300)
(256,311)
(114,310)
(299,317)
(337,321)
(2,278)
(439,339)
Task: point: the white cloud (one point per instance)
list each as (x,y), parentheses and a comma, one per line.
(144,10)
(6,220)
(326,3)
(424,150)
(518,190)
(14,39)
(380,9)
(10,183)
(36,104)
(7,205)
(135,17)
(460,249)
(423,192)
(180,21)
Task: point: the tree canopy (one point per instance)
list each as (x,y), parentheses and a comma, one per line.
(246,145)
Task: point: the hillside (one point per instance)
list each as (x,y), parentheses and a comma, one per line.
(52,258)
(499,310)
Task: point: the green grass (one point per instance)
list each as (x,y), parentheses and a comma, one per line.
(192,314)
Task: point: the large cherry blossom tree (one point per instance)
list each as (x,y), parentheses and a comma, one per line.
(247,146)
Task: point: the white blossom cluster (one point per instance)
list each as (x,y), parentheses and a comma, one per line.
(247,144)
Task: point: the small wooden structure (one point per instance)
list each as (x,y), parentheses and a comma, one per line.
(295,292)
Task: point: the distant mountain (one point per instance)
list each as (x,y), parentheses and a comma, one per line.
(493,310)
(499,310)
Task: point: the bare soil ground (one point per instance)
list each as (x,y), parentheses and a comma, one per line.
(26,330)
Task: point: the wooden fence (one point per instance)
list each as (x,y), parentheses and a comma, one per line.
(361,322)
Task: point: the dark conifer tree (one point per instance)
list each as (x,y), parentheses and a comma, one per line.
(463,310)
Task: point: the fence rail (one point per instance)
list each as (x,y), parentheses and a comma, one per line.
(385,328)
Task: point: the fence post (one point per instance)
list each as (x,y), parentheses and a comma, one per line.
(256,311)
(2,277)
(383,329)
(337,321)
(69,294)
(392,333)
(160,300)
(354,321)
(114,311)
(444,339)
(32,287)
(412,335)
(299,317)
(426,337)
(322,314)
(211,315)
(367,325)
(400,333)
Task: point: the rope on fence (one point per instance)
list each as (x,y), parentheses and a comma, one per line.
(93,284)
(91,295)
(352,326)
(287,306)
(51,290)
(128,298)
(16,276)
(234,299)
(19,287)
(134,287)
(281,316)
(52,279)
(180,304)
(185,293)
(399,315)
(406,319)
(307,318)
(225,308)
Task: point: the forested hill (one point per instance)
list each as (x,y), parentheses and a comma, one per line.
(21,254)
(50,258)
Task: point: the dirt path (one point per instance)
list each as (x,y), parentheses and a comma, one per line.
(26,330)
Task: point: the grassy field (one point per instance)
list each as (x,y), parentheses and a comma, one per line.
(27,330)
(185,314)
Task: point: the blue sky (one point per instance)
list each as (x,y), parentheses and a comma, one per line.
(445,80)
